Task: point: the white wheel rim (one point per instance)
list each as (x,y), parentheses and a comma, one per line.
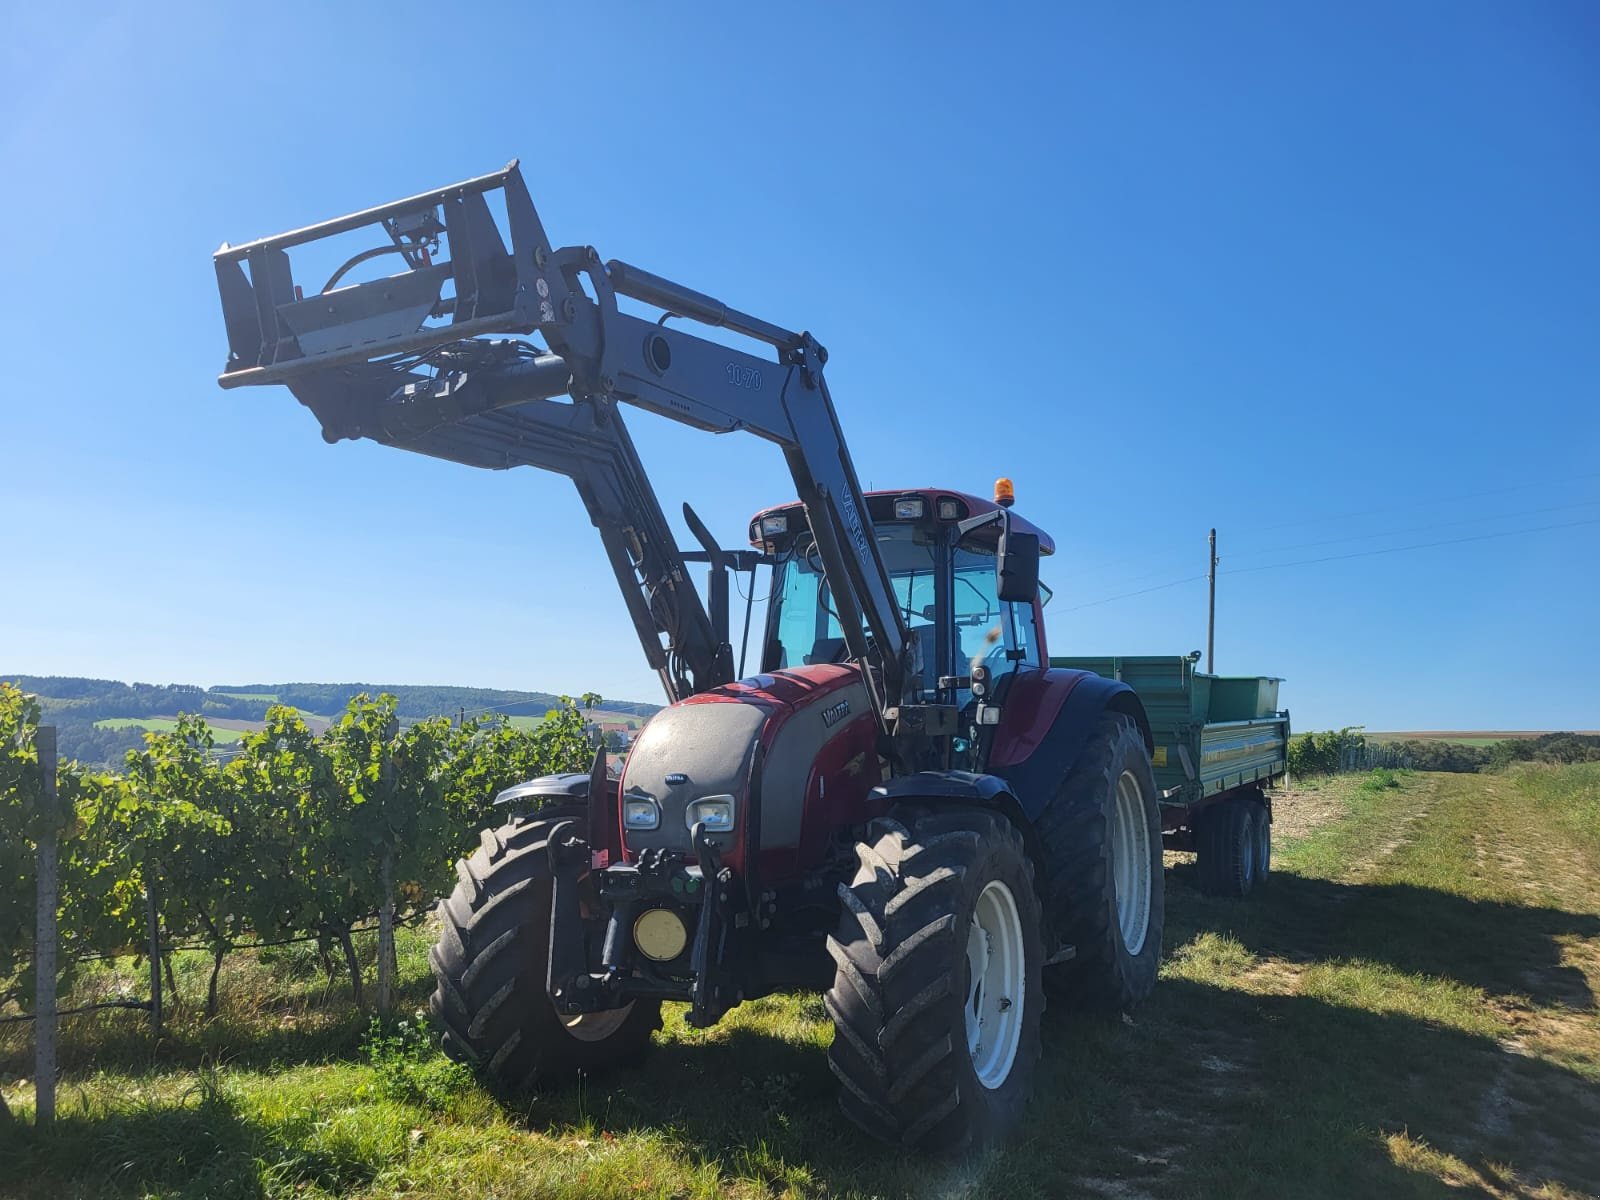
(1130,862)
(997,979)
(596,1026)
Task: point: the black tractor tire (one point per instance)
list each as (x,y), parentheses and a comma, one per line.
(490,965)
(1226,850)
(1075,834)
(903,980)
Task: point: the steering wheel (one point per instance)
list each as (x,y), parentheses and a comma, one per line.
(988,613)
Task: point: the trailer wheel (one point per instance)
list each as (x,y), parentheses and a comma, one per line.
(937,996)
(490,965)
(1263,817)
(1104,889)
(1227,848)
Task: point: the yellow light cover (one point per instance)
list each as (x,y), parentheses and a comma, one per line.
(1004,494)
(659,934)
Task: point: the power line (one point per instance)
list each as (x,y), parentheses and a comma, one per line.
(1418,502)
(1367,512)
(1477,537)
(1141,592)
(1359,537)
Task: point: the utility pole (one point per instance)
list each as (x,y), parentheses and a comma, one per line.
(1211,611)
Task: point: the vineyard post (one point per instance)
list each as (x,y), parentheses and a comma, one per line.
(386,909)
(44,952)
(153,918)
(386,935)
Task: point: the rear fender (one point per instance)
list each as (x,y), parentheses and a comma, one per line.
(1046,720)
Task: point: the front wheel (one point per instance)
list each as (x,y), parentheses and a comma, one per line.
(489,967)
(936,997)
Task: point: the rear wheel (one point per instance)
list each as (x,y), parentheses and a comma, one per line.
(936,996)
(490,966)
(1227,848)
(1104,891)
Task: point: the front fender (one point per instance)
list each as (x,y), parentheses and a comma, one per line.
(964,786)
(1046,718)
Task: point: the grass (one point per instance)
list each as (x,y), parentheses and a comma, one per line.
(1569,796)
(1407,1009)
(166,725)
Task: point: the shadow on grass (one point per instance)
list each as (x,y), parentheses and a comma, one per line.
(1504,949)
(1209,1091)
(194,1151)
(203,1145)
(281,1032)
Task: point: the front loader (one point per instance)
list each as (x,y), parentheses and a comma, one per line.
(904,805)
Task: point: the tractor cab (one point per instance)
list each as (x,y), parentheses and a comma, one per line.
(942,562)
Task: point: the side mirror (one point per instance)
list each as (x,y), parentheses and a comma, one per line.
(1017,566)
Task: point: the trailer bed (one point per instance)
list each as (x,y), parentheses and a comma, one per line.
(1213,734)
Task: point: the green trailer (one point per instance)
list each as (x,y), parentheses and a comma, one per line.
(1220,746)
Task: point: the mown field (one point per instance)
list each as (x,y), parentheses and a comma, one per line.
(1466,737)
(1408,1009)
(222,736)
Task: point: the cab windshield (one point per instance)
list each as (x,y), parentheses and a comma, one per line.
(804,625)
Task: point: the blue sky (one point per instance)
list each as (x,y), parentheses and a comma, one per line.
(1325,277)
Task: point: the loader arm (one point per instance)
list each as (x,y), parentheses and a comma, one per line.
(408,360)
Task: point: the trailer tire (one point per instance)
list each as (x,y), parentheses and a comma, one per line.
(939,927)
(490,963)
(1226,848)
(1080,834)
(1263,816)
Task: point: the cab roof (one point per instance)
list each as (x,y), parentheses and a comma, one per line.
(880,506)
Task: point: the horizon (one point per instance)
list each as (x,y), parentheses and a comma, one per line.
(607,700)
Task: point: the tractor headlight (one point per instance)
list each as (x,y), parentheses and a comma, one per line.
(909,510)
(640,812)
(772,526)
(715,811)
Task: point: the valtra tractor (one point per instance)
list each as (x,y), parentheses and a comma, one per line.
(904,806)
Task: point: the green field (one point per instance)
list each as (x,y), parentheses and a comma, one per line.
(166,725)
(268,697)
(1408,1009)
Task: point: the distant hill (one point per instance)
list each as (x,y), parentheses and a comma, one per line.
(99,720)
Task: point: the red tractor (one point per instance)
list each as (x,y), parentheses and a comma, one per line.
(905,806)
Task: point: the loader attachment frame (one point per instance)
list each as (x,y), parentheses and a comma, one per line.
(410,360)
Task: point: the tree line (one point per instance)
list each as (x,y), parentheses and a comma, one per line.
(1332,750)
(288,833)
(75,705)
